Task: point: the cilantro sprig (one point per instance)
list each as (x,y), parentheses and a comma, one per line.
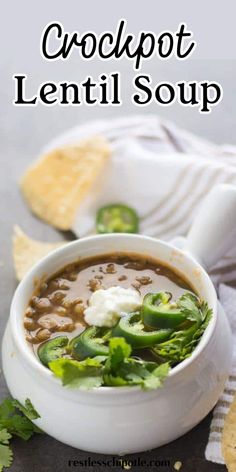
(192,307)
(84,374)
(183,342)
(15,420)
(116,369)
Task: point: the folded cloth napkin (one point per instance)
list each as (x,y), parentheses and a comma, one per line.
(165,173)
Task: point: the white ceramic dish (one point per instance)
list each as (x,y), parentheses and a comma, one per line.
(126,420)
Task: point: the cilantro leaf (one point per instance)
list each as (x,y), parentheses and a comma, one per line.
(28,410)
(182,343)
(190,305)
(114,380)
(6,408)
(120,369)
(119,350)
(78,374)
(6,456)
(5,436)
(116,369)
(19,426)
(157,376)
(15,419)
(137,372)
(14,422)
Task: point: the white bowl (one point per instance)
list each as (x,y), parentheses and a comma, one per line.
(120,420)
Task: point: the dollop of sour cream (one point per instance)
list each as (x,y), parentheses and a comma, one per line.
(106,306)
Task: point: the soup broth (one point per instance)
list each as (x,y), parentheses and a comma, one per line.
(58,306)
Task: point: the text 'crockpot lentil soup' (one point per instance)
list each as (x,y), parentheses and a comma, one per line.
(114,320)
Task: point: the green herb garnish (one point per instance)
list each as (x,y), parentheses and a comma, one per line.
(15,420)
(116,369)
(84,374)
(116,366)
(6,455)
(183,342)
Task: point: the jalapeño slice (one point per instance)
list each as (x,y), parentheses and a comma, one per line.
(92,342)
(133,330)
(117,218)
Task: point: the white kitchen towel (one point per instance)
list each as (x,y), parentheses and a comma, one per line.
(165,173)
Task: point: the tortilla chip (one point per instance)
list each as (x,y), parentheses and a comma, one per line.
(56,184)
(229,438)
(26,252)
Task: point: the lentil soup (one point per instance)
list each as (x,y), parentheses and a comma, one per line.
(59,303)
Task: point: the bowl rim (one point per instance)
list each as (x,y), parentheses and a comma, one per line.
(16,323)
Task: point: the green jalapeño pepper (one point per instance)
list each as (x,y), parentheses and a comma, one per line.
(52,349)
(132,329)
(91,342)
(158,312)
(117,218)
